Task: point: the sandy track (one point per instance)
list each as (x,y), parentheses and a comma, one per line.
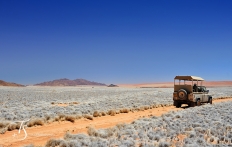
(41,134)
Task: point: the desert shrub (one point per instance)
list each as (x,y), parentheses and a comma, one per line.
(128,143)
(78,116)
(146,107)
(112,112)
(3,130)
(35,121)
(125,110)
(57,118)
(141,108)
(164,144)
(75,103)
(54,143)
(88,117)
(74,143)
(92,132)
(70,118)
(96,114)
(61,117)
(12,126)
(4,124)
(103,113)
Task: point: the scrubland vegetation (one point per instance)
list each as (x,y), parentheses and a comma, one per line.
(45,105)
(208,125)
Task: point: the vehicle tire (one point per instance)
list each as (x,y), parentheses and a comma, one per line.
(182,94)
(198,102)
(177,104)
(211,101)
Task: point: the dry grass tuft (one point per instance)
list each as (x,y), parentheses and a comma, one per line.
(96,114)
(61,117)
(35,121)
(70,118)
(57,118)
(4,124)
(125,110)
(12,126)
(53,143)
(92,132)
(88,116)
(111,112)
(78,116)
(146,107)
(75,103)
(3,130)
(141,108)
(103,113)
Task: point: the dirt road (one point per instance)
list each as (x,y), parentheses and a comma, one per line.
(39,135)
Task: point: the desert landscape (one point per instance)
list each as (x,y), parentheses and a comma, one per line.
(111,116)
(115,73)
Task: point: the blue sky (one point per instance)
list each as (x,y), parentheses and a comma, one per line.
(115,41)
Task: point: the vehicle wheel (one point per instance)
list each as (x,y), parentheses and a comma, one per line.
(175,103)
(210,100)
(182,94)
(198,102)
(178,105)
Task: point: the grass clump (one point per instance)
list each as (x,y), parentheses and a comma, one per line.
(125,110)
(96,114)
(35,122)
(56,143)
(70,118)
(3,130)
(112,112)
(12,126)
(88,117)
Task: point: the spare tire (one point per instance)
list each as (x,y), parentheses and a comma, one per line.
(182,94)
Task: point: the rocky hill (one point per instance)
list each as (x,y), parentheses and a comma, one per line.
(4,83)
(67,82)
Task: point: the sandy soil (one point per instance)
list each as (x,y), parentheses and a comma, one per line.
(170,84)
(39,135)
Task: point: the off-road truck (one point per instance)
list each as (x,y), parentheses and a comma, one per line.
(187,91)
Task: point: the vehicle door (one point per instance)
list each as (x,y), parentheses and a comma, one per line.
(204,95)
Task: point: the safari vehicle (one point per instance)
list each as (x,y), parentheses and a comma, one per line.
(188,91)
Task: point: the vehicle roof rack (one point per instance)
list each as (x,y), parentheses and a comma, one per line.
(189,78)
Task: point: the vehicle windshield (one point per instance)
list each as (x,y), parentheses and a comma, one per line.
(202,89)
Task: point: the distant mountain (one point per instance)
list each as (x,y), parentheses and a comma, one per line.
(112,85)
(4,83)
(67,82)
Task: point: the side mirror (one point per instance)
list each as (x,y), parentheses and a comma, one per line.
(207,91)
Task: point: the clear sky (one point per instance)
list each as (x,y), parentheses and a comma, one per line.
(115,41)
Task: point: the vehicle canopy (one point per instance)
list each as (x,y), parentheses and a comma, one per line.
(189,78)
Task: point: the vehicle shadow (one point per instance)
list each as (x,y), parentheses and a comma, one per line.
(185,106)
